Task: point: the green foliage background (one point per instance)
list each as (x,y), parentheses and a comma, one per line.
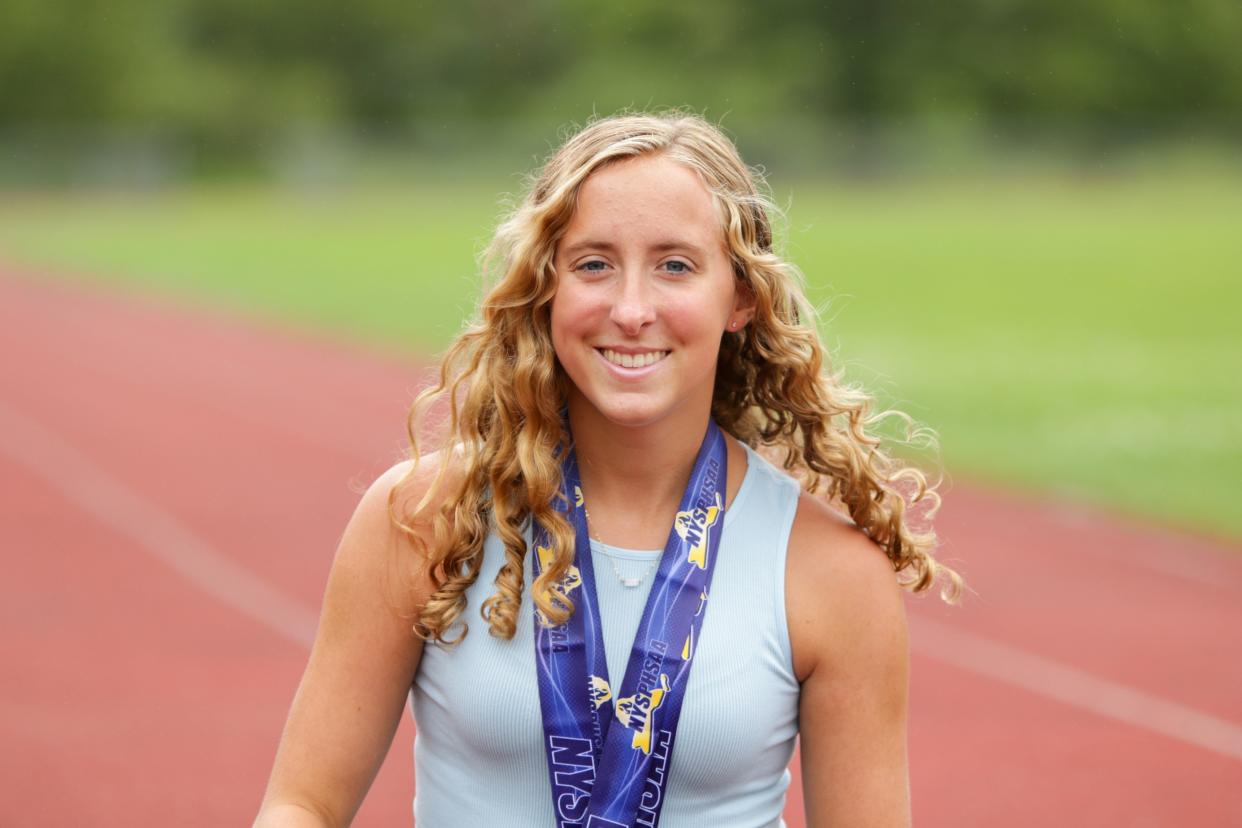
(215,83)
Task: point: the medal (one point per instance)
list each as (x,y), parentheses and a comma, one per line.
(608,746)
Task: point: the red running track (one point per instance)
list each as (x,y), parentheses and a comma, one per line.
(173,485)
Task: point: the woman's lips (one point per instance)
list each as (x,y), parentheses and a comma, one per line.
(632,359)
(641,364)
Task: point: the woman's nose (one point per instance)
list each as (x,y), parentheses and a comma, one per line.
(634,305)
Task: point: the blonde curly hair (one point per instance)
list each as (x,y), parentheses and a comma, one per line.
(504,391)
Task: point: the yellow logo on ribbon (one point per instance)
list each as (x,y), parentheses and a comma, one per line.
(688,648)
(635,713)
(568,583)
(578,498)
(692,526)
(600,691)
(702,603)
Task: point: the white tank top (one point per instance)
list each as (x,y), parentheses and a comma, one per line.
(478,748)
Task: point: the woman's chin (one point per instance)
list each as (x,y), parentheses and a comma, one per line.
(629,413)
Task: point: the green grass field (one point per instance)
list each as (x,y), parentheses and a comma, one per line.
(1067,335)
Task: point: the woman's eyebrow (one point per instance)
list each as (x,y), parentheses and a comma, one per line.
(659,247)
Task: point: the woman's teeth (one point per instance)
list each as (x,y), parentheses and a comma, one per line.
(633,360)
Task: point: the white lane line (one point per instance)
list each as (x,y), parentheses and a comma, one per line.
(111,502)
(1074,687)
(1210,562)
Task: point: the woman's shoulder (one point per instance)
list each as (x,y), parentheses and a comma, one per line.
(394,519)
(406,488)
(842,599)
(417,487)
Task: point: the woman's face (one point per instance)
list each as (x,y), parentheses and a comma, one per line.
(645,290)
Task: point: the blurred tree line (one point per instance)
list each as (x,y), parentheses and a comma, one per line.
(238,78)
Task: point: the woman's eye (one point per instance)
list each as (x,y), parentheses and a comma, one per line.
(593,266)
(676,266)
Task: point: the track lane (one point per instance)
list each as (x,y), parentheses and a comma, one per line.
(139,700)
(143,394)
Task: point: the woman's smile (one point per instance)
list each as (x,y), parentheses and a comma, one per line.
(632,363)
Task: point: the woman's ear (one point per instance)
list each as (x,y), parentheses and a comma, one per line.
(743,306)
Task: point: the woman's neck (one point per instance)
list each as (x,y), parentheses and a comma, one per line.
(633,478)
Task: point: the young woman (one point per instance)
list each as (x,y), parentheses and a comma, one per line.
(666,609)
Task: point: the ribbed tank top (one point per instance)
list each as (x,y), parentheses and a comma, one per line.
(478,748)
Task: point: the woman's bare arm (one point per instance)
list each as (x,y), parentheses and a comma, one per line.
(353,693)
(851,654)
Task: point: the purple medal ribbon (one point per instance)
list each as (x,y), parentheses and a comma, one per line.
(606,773)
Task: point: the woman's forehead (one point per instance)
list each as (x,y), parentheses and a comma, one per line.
(651,196)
